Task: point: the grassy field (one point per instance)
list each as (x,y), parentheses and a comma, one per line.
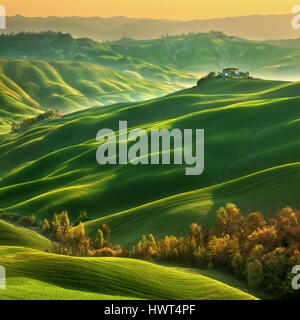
(175,214)
(27,87)
(251,158)
(36,275)
(18,236)
(32,274)
(252,154)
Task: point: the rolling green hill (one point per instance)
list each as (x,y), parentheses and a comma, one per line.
(251,158)
(27,87)
(38,275)
(58,46)
(33,274)
(18,236)
(264,191)
(205,52)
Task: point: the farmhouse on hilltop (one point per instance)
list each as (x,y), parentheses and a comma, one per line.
(228,73)
(233,72)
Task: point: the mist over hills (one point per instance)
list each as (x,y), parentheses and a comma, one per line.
(205,52)
(29,87)
(255,27)
(63,47)
(171,59)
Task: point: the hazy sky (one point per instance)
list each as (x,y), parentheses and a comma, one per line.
(170,9)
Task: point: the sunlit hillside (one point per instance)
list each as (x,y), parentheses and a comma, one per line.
(28,87)
(251,158)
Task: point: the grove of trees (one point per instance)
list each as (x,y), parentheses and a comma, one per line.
(27,122)
(259,251)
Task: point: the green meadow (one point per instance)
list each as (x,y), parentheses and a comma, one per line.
(33,274)
(252,154)
(251,158)
(19,236)
(38,275)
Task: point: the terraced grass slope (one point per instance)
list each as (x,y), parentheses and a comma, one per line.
(205,52)
(36,275)
(58,46)
(251,158)
(27,87)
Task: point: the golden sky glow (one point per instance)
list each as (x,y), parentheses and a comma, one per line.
(170,9)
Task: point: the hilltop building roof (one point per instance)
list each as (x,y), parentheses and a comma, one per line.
(230,70)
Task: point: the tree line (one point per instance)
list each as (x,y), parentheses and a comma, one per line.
(17,126)
(259,251)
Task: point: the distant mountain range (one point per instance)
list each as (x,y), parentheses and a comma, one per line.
(256,27)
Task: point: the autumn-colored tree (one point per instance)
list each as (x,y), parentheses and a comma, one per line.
(99,240)
(106,231)
(267,237)
(64,228)
(28,221)
(189,248)
(254,221)
(229,219)
(105,252)
(256,253)
(166,246)
(17,126)
(287,219)
(254,249)
(196,232)
(219,250)
(80,243)
(46,226)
